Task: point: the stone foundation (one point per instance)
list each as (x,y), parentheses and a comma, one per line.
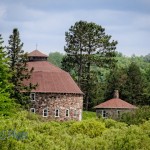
(73,103)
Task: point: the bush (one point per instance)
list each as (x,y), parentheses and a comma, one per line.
(138,116)
(90,134)
(92,128)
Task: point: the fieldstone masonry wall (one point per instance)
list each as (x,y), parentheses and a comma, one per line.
(61,102)
(112,112)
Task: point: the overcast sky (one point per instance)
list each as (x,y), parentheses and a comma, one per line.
(44,22)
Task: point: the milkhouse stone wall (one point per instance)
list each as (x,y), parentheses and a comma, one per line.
(113,113)
(61,107)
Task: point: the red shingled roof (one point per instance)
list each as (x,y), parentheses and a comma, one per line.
(115,103)
(43,66)
(36,53)
(51,79)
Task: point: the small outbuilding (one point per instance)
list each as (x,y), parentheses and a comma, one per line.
(114,107)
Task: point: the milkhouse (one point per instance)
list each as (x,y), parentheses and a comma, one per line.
(57,96)
(114,107)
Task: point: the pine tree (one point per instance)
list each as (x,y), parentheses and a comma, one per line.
(115,80)
(18,67)
(4,70)
(133,90)
(7,105)
(147,87)
(87,45)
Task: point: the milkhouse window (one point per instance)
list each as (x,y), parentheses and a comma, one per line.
(45,112)
(104,114)
(67,112)
(32,96)
(118,113)
(32,110)
(56,112)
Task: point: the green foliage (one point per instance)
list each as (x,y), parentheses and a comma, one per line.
(90,128)
(147,58)
(138,116)
(5,86)
(88,134)
(56,58)
(131,77)
(88,46)
(134,86)
(88,115)
(109,123)
(18,68)
(7,105)
(115,80)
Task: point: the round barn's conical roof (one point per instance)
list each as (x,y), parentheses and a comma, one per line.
(50,78)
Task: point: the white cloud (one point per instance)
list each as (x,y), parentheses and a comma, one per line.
(47,28)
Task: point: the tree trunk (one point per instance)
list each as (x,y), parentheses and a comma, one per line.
(80,68)
(87,82)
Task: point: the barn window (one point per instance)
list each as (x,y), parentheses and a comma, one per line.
(56,112)
(32,110)
(45,112)
(67,112)
(32,96)
(75,113)
(104,114)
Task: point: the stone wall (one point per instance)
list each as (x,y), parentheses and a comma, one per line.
(113,113)
(73,103)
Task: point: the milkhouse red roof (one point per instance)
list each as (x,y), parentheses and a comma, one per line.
(115,103)
(50,79)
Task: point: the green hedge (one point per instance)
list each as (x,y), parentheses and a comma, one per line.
(26,131)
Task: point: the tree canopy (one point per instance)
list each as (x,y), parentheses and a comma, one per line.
(18,68)
(55,58)
(87,46)
(6,104)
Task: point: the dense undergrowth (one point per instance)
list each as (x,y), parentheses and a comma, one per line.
(26,131)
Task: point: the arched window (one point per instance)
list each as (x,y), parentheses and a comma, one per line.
(67,112)
(45,112)
(32,96)
(56,112)
(75,113)
(32,110)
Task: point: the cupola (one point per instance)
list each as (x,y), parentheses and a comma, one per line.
(37,56)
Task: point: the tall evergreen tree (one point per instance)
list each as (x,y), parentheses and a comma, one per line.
(18,67)
(6,104)
(4,70)
(133,90)
(115,80)
(87,45)
(147,88)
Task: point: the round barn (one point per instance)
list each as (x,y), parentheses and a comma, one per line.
(56,96)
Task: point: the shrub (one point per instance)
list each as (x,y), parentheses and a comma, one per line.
(92,128)
(136,117)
